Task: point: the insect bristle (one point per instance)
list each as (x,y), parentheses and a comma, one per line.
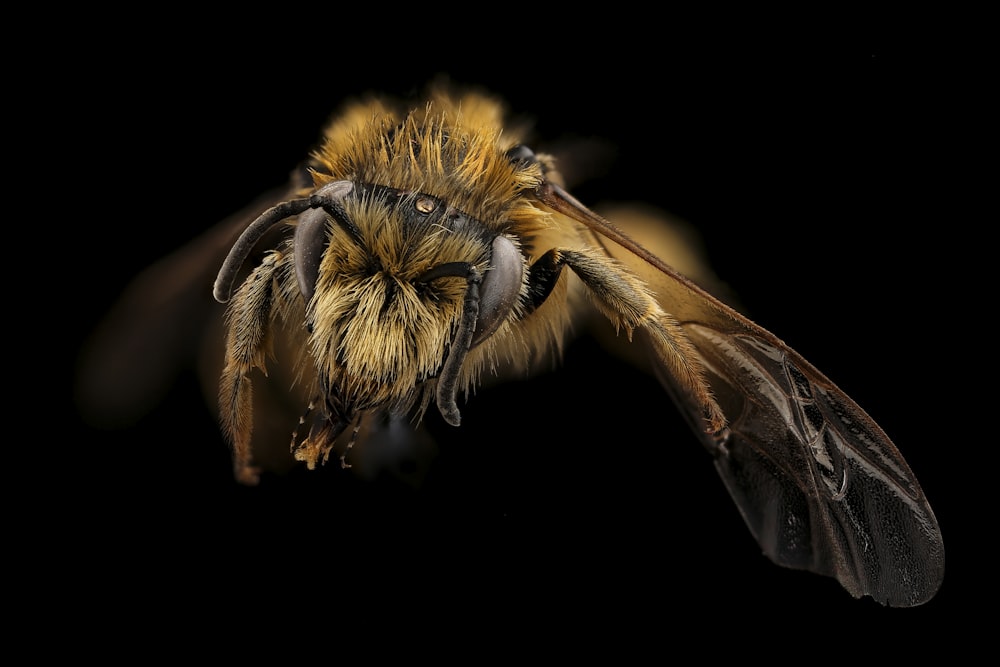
(429,251)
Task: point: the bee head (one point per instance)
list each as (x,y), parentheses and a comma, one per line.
(398,287)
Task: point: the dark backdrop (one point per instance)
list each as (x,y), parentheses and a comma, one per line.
(580,496)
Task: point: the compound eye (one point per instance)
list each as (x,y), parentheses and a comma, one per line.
(500,289)
(311,238)
(521,154)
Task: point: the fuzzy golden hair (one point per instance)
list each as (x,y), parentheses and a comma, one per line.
(377,335)
(452,148)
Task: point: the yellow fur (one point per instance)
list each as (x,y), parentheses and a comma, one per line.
(375,335)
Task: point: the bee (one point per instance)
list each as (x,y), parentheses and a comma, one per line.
(423,250)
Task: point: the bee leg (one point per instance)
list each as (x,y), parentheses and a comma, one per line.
(247,346)
(350,444)
(542,278)
(624,299)
(302,420)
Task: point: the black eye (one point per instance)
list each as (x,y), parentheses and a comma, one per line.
(521,154)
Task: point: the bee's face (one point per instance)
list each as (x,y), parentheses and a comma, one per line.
(381,322)
(428,246)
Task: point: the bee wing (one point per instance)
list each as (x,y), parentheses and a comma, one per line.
(158,325)
(819,484)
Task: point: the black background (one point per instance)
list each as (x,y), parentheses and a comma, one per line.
(577,507)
